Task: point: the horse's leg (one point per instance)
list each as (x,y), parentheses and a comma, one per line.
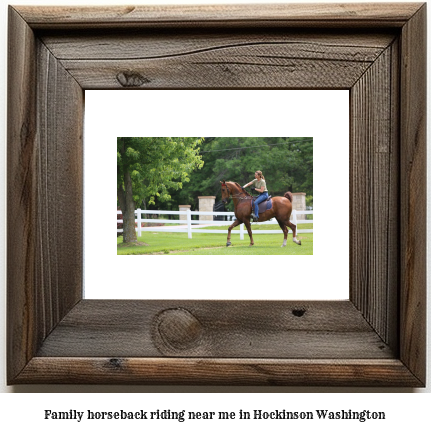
(285,231)
(236,223)
(292,226)
(250,234)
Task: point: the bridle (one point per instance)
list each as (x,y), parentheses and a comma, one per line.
(238,195)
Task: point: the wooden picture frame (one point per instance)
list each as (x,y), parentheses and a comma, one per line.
(376,338)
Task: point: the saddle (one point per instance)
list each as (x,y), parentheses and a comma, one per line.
(264,205)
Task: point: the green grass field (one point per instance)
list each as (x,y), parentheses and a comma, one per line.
(215,244)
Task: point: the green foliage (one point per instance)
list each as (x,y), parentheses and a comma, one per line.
(286,163)
(167,172)
(156,166)
(215,244)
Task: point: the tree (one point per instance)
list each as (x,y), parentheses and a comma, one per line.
(287,164)
(151,167)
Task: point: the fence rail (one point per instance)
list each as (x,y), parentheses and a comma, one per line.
(187,224)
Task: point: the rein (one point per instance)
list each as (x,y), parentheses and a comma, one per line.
(239,195)
(243,195)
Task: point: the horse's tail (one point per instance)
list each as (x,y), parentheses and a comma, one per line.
(289,196)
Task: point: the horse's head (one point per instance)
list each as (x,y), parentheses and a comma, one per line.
(225,192)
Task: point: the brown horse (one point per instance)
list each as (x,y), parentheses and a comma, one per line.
(281,210)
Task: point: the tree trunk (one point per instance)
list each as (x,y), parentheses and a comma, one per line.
(125,199)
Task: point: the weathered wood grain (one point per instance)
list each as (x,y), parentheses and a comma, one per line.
(59,183)
(200,72)
(140,44)
(392,301)
(312,14)
(21,194)
(213,60)
(235,329)
(45,188)
(263,66)
(375,338)
(413,194)
(197,371)
(374,212)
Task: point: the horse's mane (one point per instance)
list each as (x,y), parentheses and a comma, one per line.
(240,188)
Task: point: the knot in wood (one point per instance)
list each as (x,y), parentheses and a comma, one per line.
(178,329)
(298,312)
(131,79)
(115,363)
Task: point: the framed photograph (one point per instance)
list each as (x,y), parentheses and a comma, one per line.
(315,167)
(376,337)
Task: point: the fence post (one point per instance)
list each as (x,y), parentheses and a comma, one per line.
(241,232)
(294,218)
(189,223)
(139,222)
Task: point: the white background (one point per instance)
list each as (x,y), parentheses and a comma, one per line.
(26,410)
(323,115)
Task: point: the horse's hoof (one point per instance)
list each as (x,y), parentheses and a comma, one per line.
(228,244)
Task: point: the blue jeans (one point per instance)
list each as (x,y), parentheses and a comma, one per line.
(262,197)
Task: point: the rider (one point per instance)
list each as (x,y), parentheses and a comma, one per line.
(260,186)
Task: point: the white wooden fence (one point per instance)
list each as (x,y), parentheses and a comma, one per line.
(187,225)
